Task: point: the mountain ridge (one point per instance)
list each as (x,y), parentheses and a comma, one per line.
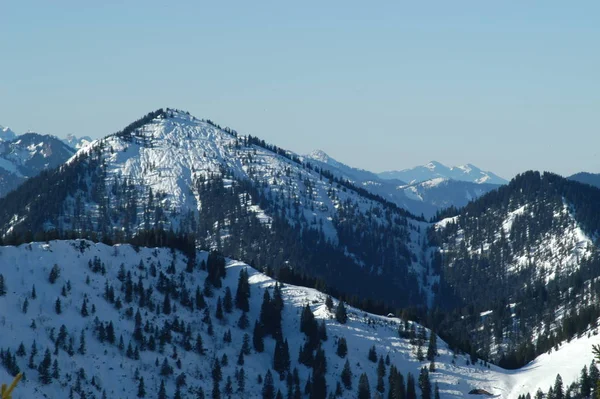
(434,169)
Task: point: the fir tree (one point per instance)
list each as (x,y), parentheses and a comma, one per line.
(364,390)
(268,389)
(54,274)
(424,383)
(44,368)
(242,293)
(346,375)
(82,349)
(257,338)
(373,354)
(2,286)
(57,306)
(329,302)
(162,391)
(219,311)
(342,347)
(432,347)
(141,393)
(340,313)
(411,392)
(227,301)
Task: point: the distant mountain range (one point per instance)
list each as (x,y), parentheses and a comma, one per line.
(429,189)
(25,156)
(434,170)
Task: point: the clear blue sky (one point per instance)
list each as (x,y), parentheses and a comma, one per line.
(508,86)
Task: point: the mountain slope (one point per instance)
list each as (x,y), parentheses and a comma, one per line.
(434,170)
(525,258)
(235,193)
(426,197)
(26,156)
(141,279)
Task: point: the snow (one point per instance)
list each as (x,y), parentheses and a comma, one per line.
(433,169)
(30,264)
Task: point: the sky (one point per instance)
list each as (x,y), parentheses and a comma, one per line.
(507,86)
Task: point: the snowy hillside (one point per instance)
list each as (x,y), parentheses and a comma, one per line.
(557,253)
(94,273)
(237,193)
(433,170)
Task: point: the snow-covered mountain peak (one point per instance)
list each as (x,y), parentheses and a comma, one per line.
(322,156)
(434,165)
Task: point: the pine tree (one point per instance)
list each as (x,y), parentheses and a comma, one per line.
(346,375)
(166,308)
(227,301)
(81,350)
(257,338)
(268,389)
(162,391)
(141,393)
(44,368)
(2,286)
(57,306)
(25,305)
(436,392)
(559,392)
(373,354)
(54,274)
(219,311)
(411,392)
(342,347)
(424,383)
(55,370)
(432,347)
(340,313)
(318,386)
(84,309)
(329,302)
(200,303)
(585,383)
(242,293)
(364,390)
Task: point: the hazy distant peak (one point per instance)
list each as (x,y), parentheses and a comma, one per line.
(434,170)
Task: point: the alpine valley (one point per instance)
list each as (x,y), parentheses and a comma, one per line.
(180,259)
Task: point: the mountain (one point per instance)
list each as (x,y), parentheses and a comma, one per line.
(434,170)
(249,199)
(506,278)
(6,134)
(444,193)
(26,156)
(593,179)
(525,258)
(76,142)
(426,197)
(85,319)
